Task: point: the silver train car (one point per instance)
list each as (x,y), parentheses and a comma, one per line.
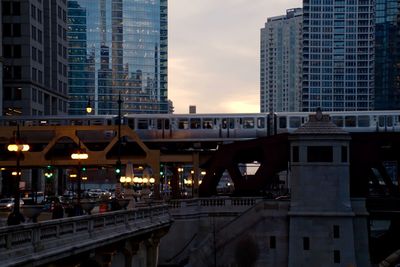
(219,126)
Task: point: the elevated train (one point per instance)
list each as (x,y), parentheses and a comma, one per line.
(219,126)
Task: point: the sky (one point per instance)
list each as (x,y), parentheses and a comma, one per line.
(213,53)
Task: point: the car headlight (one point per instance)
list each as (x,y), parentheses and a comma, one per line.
(9,205)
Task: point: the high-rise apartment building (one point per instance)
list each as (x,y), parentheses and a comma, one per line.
(117,47)
(34,42)
(281,62)
(338,55)
(387,54)
(1,66)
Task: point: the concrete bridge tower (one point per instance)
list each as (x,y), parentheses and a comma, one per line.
(326,226)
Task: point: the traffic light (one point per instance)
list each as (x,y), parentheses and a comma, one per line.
(118,169)
(49,172)
(83,169)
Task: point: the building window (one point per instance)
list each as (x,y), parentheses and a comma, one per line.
(34,53)
(272,242)
(7,93)
(336,231)
(319,154)
(34,94)
(306,243)
(39,36)
(17,72)
(17,30)
(33,33)
(12,93)
(336,256)
(33,11)
(17,51)
(6,7)
(39,15)
(18,93)
(40,97)
(295,153)
(7,29)
(40,56)
(16,8)
(34,74)
(40,76)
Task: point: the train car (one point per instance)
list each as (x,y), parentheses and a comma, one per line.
(198,126)
(218,126)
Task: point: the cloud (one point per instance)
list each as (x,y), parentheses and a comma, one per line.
(214,52)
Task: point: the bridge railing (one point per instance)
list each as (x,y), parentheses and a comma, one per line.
(199,206)
(47,240)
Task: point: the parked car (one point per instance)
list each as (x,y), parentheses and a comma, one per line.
(98,193)
(35,198)
(8,204)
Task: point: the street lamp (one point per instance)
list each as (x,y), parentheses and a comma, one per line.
(89,110)
(180,171)
(79,155)
(15,217)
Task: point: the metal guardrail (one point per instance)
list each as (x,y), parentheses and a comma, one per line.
(52,240)
(225,202)
(203,207)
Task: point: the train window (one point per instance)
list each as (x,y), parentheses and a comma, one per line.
(363,121)
(195,123)
(163,124)
(143,124)
(248,123)
(231,123)
(381,121)
(183,124)
(207,123)
(294,122)
(350,121)
(260,123)
(338,120)
(389,121)
(224,123)
(131,123)
(282,122)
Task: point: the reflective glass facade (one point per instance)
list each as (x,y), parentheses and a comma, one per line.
(387,54)
(338,55)
(117,47)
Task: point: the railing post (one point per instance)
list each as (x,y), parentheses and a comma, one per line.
(36,238)
(9,240)
(91,227)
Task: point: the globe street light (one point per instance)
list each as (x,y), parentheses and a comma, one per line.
(16,217)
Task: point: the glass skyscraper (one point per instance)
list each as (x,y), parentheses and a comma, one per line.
(338,55)
(117,47)
(387,54)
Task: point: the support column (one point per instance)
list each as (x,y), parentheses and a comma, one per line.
(155,166)
(152,245)
(196,174)
(176,191)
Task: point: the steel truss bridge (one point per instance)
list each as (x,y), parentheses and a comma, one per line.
(370,151)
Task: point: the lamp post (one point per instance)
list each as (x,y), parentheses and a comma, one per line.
(15,217)
(180,171)
(89,110)
(79,155)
